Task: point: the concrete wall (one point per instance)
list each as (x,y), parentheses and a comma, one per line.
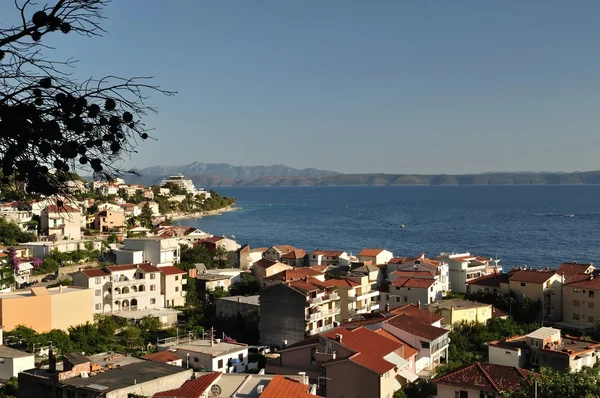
(79,304)
(347,379)
(151,387)
(282,316)
(446,391)
(580,306)
(229,308)
(502,356)
(10,367)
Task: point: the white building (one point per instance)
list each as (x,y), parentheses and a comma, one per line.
(155,250)
(212,355)
(182,183)
(13,361)
(118,288)
(438,268)
(328,257)
(172,281)
(375,256)
(465,267)
(64,222)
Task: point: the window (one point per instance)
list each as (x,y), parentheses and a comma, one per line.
(406,299)
(508,352)
(220,364)
(425,344)
(431,289)
(98,292)
(176,277)
(241,357)
(1,360)
(575,303)
(152,276)
(98,281)
(590,293)
(461,394)
(195,359)
(386,375)
(576,317)
(523,284)
(534,360)
(176,288)
(98,307)
(152,301)
(397,299)
(583,291)
(591,305)
(152,287)
(575,290)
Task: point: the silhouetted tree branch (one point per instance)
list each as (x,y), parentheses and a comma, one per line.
(51,124)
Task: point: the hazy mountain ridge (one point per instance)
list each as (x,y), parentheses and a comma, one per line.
(225,170)
(203,180)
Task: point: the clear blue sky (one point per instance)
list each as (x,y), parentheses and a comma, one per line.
(360,86)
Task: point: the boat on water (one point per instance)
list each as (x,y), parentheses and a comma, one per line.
(402,225)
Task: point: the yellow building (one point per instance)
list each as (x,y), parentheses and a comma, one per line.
(43,309)
(455,311)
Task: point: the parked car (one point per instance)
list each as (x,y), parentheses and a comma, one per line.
(49,278)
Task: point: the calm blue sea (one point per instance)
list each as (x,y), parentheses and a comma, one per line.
(534,225)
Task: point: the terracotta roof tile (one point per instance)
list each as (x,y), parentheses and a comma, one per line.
(328,253)
(419,313)
(492,280)
(284,248)
(281,386)
(409,351)
(266,263)
(370,252)
(162,356)
(486,376)
(370,347)
(585,281)
(572,269)
(306,286)
(289,275)
(294,254)
(171,270)
(417,283)
(340,283)
(62,209)
(532,276)
(418,274)
(191,388)
(94,272)
(417,327)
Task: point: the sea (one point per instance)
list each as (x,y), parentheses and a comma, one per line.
(534,225)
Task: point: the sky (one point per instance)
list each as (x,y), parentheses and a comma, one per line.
(359,87)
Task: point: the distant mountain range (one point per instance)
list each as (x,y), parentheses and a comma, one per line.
(221,174)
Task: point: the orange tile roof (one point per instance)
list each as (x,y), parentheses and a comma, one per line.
(409,351)
(294,254)
(306,286)
(585,281)
(171,270)
(532,276)
(195,388)
(487,377)
(416,327)
(328,253)
(320,268)
(146,267)
(294,274)
(369,347)
(419,313)
(492,280)
(340,283)
(419,283)
(280,387)
(284,248)
(419,274)
(94,272)
(572,269)
(162,356)
(62,209)
(266,263)
(370,252)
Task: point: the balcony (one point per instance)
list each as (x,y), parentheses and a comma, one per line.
(325,298)
(126,282)
(319,330)
(324,356)
(364,296)
(322,314)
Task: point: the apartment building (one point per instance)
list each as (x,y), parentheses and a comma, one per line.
(129,287)
(107,221)
(172,283)
(64,222)
(328,257)
(155,250)
(295,258)
(540,284)
(544,347)
(581,300)
(438,268)
(412,287)
(275,252)
(375,256)
(357,295)
(492,283)
(458,310)
(464,267)
(291,311)
(265,268)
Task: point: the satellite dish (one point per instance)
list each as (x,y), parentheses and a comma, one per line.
(215,390)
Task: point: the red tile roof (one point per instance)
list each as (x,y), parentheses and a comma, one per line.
(419,313)
(162,356)
(409,351)
(370,252)
(62,209)
(266,263)
(294,254)
(212,239)
(146,267)
(492,280)
(398,260)
(284,248)
(293,274)
(94,272)
(306,286)
(486,376)
(340,283)
(171,270)
(419,274)
(370,347)
(320,268)
(281,386)
(418,283)
(532,276)
(191,388)
(585,281)
(416,327)
(572,269)
(328,253)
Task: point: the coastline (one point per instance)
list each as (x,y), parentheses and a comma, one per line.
(201,214)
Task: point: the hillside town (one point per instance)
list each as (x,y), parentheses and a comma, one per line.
(102,296)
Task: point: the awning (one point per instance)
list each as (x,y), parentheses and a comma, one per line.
(20,280)
(25,266)
(408,375)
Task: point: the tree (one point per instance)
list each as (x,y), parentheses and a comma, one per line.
(202,255)
(10,389)
(10,233)
(248,285)
(145,216)
(150,324)
(551,384)
(48,119)
(420,388)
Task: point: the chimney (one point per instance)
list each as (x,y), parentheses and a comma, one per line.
(387,307)
(51,361)
(419,304)
(338,337)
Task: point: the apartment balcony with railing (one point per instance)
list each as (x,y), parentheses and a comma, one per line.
(324,298)
(319,329)
(323,314)
(364,296)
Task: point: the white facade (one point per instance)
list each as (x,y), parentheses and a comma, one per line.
(172,286)
(513,356)
(12,362)
(156,251)
(122,288)
(380,256)
(325,257)
(402,295)
(204,355)
(182,183)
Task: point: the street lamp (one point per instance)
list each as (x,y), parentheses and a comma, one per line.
(187,360)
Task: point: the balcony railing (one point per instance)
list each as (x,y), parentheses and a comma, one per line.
(325,298)
(127,282)
(363,296)
(323,314)
(319,330)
